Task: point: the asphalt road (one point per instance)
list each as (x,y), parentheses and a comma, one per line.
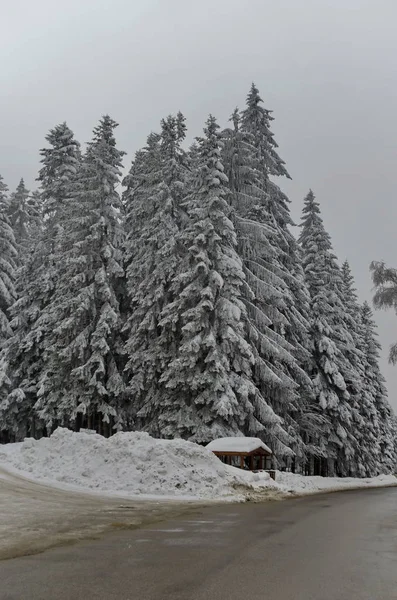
(35,517)
(327,547)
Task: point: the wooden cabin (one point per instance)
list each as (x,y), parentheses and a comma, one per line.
(243,452)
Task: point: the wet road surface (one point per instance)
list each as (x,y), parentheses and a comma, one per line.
(34,517)
(326,547)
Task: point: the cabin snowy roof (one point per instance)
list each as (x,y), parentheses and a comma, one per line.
(237,444)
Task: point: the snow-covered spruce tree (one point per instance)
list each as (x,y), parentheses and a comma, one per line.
(261,294)
(60,162)
(8,255)
(155,189)
(18,212)
(211,390)
(362,394)
(24,215)
(25,351)
(37,279)
(257,120)
(193,157)
(8,258)
(331,368)
(82,383)
(142,186)
(375,384)
(35,202)
(276,266)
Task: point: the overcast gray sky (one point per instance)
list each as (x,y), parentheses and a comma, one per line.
(327,68)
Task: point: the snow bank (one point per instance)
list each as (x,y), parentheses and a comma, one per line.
(137,465)
(301,485)
(132,464)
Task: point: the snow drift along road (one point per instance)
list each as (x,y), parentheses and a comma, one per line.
(137,465)
(132,464)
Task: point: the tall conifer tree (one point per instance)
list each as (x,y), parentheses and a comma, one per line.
(82,383)
(8,266)
(211,376)
(155,189)
(38,275)
(331,367)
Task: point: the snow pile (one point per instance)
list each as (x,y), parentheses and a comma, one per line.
(137,465)
(132,464)
(301,485)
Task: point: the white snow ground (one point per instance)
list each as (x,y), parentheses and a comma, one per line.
(137,466)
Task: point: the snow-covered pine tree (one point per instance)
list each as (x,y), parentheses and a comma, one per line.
(8,256)
(25,350)
(256,120)
(276,265)
(193,157)
(375,384)
(155,189)
(331,367)
(210,380)
(261,294)
(60,162)
(8,259)
(82,383)
(36,227)
(360,386)
(18,212)
(393,433)
(24,215)
(142,188)
(37,279)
